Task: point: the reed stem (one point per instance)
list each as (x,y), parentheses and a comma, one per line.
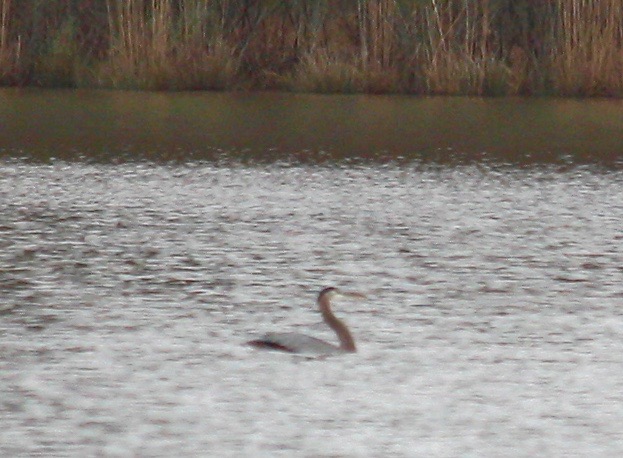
(480,47)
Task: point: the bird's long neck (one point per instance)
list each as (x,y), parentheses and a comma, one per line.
(347,342)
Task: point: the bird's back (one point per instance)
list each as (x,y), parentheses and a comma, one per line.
(295,343)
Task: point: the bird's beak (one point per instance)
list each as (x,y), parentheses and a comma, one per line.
(354,295)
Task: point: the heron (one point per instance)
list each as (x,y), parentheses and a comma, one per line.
(299,343)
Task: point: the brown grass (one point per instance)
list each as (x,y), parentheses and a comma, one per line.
(10,52)
(478,47)
(587,48)
(150,48)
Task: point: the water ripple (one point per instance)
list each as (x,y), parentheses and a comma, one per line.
(492,327)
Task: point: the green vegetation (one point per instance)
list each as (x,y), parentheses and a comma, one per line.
(477,47)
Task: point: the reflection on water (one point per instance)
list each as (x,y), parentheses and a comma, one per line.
(264,127)
(127,292)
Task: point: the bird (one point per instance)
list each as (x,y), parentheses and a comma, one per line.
(299,343)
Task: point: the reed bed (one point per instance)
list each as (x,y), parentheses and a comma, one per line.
(476,47)
(587,55)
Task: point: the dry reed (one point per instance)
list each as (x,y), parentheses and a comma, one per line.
(153,46)
(480,47)
(587,48)
(9,51)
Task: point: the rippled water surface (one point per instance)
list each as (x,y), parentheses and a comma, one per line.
(493,324)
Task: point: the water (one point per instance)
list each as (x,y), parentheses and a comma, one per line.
(145,237)
(493,325)
(105,126)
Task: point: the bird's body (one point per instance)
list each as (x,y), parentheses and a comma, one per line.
(293,342)
(299,343)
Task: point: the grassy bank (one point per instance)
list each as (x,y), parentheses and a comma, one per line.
(479,47)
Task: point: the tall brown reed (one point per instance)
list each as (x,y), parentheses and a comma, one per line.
(4,23)
(9,51)
(160,44)
(480,47)
(587,48)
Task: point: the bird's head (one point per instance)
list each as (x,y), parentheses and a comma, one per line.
(331,293)
(328,293)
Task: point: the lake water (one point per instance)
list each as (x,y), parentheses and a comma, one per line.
(493,324)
